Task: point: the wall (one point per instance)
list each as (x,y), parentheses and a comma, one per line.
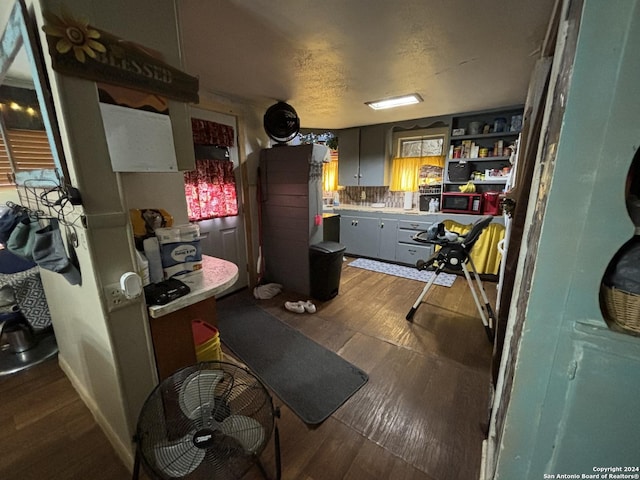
(8,195)
(574,400)
(107,355)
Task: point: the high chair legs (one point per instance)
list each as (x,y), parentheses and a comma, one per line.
(486,312)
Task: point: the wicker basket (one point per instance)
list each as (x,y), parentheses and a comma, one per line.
(459,172)
(623,308)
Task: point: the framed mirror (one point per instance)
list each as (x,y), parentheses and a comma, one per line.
(22,71)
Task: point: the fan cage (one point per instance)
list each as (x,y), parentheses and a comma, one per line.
(211,399)
(281,122)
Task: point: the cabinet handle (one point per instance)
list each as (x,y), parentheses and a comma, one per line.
(415,225)
(382,225)
(355,176)
(411,251)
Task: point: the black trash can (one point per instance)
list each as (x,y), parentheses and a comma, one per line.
(325,266)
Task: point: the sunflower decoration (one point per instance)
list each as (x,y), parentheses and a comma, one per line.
(73,34)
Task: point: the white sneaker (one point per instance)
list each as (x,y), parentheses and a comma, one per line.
(296,307)
(308,306)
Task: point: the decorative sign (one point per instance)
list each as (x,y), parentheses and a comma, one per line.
(81,50)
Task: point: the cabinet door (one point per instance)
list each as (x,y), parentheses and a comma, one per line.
(348,157)
(373,158)
(388,239)
(360,235)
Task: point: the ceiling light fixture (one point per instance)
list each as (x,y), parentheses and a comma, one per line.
(395,101)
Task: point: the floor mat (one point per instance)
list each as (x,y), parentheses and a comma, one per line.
(310,379)
(444,279)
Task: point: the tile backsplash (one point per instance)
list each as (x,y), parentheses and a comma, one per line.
(353,196)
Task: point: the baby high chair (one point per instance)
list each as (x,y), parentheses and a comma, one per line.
(453,254)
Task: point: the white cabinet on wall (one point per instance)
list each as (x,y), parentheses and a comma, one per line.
(363,160)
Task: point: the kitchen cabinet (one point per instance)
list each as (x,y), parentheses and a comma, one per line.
(490,133)
(363,158)
(389,235)
(409,251)
(388,238)
(372,237)
(348,157)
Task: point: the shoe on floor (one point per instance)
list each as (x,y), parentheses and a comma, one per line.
(296,307)
(308,306)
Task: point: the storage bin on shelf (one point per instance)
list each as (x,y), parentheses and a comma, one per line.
(459,172)
(206,340)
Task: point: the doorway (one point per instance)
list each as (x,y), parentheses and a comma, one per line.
(225,237)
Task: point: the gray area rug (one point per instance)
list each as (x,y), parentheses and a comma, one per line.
(310,379)
(444,279)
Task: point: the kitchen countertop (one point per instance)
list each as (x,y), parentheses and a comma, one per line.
(463,218)
(217,276)
(364,208)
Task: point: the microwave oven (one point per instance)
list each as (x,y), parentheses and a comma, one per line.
(456,202)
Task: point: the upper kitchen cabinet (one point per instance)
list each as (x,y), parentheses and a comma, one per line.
(480,148)
(363,157)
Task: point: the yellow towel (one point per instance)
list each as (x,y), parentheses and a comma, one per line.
(484,254)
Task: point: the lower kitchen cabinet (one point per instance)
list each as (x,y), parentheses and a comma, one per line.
(390,238)
(359,235)
(409,251)
(369,237)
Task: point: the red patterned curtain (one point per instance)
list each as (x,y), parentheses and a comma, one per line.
(211,188)
(211,133)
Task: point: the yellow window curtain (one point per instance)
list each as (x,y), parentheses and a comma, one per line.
(330,174)
(405,172)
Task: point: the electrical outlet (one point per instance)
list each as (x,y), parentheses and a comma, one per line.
(115,297)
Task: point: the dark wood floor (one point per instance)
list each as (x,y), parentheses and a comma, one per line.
(421,416)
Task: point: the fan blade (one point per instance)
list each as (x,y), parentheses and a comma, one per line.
(198,392)
(178,458)
(246,430)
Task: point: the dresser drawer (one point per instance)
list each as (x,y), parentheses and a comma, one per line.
(411,225)
(410,254)
(405,236)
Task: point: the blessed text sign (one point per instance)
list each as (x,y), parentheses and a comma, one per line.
(81,50)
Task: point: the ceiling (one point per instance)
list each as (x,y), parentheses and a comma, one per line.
(326,58)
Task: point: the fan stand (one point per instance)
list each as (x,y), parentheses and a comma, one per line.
(265,474)
(217,407)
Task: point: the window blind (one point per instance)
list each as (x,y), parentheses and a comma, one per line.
(31,151)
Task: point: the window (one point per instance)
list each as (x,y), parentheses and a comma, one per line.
(29,151)
(211,188)
(420,146)
(21,121)
(419,158)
